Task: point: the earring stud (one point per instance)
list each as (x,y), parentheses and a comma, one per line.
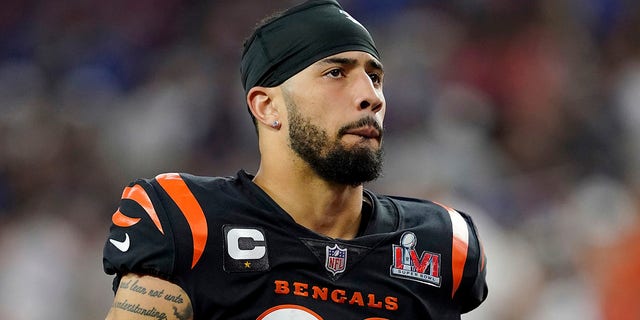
(275,124)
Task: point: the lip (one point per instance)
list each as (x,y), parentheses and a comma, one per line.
(365,132)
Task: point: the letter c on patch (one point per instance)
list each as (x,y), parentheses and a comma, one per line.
(233,244)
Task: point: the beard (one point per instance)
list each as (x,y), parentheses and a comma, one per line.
(330,158)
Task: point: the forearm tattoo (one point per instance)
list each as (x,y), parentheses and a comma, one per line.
(182,309)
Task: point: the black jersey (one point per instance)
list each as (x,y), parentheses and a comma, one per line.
(238,255)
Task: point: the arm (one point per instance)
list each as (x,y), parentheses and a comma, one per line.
(148,298)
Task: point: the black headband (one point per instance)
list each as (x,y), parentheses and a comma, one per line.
(299,37)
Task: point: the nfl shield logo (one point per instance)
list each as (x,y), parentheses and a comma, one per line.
(336,259)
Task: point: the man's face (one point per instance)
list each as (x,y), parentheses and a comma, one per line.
(335,111)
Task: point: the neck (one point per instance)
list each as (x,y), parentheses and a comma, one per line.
(330,209)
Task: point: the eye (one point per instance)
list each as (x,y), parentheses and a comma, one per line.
(335,73)
(376,78)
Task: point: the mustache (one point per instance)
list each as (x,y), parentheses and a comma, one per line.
(364,122)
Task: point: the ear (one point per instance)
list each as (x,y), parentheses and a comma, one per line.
(261,104)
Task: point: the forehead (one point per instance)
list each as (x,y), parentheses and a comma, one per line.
(353,58)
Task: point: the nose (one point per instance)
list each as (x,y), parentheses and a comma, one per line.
(367,95)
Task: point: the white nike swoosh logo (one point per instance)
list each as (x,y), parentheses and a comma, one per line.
(121,245)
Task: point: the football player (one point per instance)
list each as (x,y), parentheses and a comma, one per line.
(300,239)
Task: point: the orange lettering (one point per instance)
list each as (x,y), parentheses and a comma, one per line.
(282,287)
(300,289)
(338,296)
(391,303)
(357,299)
(320,293)
(372,302)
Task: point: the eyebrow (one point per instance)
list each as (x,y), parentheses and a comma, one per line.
(352,62)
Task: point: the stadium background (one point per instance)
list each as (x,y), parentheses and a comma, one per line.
(525,114)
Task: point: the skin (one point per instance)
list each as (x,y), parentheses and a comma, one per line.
(331,93)
(164,299)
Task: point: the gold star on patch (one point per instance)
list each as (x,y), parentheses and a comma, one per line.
(247,264)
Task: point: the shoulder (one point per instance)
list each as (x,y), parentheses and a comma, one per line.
(430,217)
(412,211)
(171,183)
(160,220)
(453,233)
(184,192)
(459,223)
(413,205)
(146,191)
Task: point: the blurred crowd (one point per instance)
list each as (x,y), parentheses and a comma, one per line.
(524,114)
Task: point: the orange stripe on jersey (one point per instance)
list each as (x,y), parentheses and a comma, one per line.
(120,220)
(460,246)
(139,195)
(178,190)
